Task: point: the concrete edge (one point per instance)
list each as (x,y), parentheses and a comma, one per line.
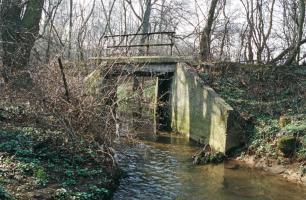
(218,98)
(143,59)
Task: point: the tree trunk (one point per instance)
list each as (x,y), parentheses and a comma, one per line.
(206,35)
(20,28)
(146,24)
(225,33)
(70,28)
(301,19)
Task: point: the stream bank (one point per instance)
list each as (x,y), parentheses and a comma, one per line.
(290,170)
(272,101)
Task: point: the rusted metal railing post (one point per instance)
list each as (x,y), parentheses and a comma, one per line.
(126,44)
(148,44)
(172,43)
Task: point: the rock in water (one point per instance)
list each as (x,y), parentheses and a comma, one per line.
(207,156)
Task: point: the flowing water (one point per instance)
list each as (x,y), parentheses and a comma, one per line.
(161,168)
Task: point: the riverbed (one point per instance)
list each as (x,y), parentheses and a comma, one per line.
(160,167)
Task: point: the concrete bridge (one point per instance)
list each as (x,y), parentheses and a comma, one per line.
(186,105)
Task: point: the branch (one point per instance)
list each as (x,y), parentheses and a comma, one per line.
(285,52)
(133,9)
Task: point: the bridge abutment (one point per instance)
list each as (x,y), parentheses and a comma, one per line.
(201,114)
(183,103)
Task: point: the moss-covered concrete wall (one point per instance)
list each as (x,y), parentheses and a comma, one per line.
(201,114)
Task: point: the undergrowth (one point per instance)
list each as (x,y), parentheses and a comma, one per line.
(57,137)
(263,95)
(30,163)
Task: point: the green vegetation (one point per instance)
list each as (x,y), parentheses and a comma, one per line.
(30,163)
(4,195)
(272,102)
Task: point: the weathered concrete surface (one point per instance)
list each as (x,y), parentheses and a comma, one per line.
(201,114)
(144,59)
(150,68)
(142,65)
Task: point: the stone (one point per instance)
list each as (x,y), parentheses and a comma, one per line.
(284,121)
(282,133)
(207,156)
(277,169)
(303,180)
(287,145)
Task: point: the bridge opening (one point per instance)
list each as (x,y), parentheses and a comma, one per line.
(163,113)
(144,104)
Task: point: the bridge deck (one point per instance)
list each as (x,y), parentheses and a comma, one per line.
(145,59)
(143,65)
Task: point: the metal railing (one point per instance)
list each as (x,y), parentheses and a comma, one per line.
(139,43)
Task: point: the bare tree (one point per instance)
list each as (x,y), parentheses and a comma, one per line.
(262,37)
(206,35)
(20,28)
(300,28)
(225,31)
(83,31)
(249,8)
(146,18)
(70,27)
(50,14)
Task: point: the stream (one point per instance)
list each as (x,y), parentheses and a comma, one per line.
(161,167)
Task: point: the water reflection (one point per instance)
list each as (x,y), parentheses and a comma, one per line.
(162,169)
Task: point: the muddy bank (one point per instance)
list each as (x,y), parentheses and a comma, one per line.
(271,99)
(292,171)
